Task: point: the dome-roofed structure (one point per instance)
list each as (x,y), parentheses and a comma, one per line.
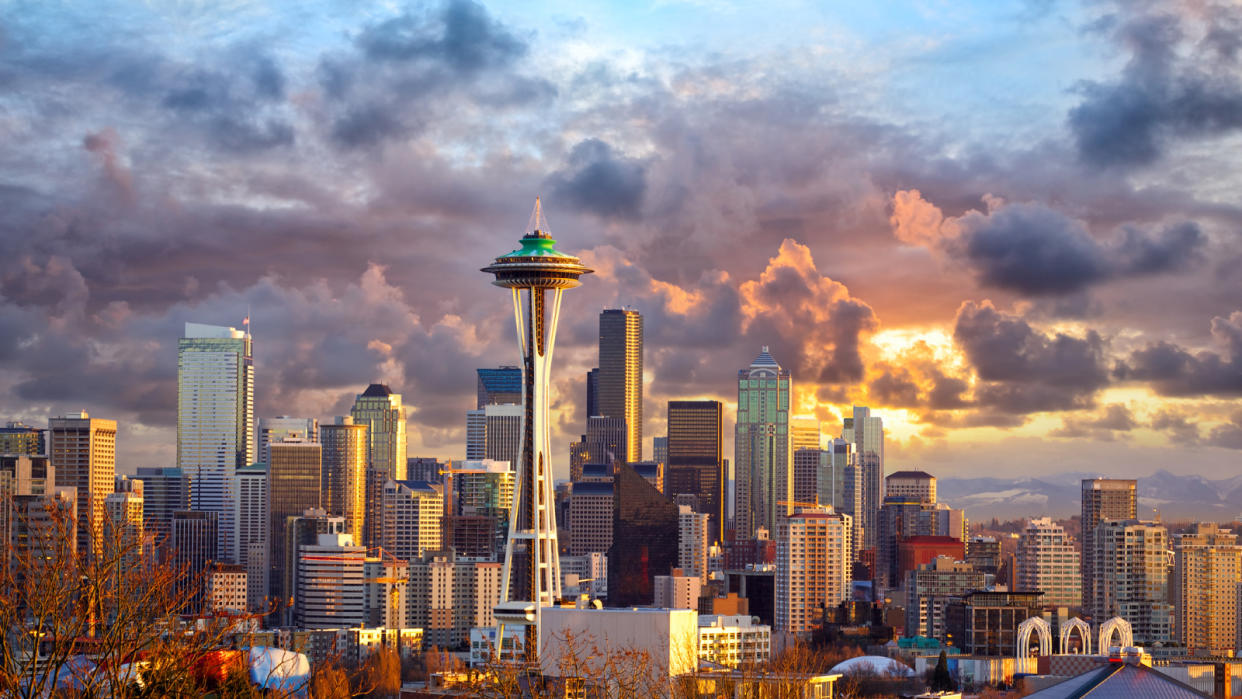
(877,664)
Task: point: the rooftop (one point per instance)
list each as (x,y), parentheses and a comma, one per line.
(377,390)
(910,474)
(1119,681)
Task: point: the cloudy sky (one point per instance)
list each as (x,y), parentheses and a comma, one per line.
(1012,228)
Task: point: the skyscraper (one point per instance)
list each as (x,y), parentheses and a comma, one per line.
(761,447)
(531,576)
(814,559)
(606,440)
(1047,561)
(645,525)
(494,431)
(382,412)
(1102,498)
(413,511)
(215,420)
(803,433)
(83,454)
(165,490)
(866,433)
(274,429)
(499,386)
(294,480)
(1131,578)
(592,392)
(1207,569)
(620,392)
(253,532)
(695,458)
(194,539)
(344,473)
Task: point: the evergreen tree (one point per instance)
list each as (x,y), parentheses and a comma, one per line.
(941,680)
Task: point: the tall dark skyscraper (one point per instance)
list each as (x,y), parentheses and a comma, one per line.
(620,391)
(592,397)
(499,386)
(644,539)
(696,457)
(1102,498)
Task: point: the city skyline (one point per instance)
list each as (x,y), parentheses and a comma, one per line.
(1040,289)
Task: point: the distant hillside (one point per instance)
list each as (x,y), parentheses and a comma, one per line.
(1177,497)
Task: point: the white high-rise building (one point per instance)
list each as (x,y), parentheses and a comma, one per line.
(1131,577)
(215,420)
(330,583)
(764,476)
(1048,561)
(677,590)
(412,514)
(866,433)
(494,432)
(251,512)
(694,530)
(275,429)
(734,641)
(814,567)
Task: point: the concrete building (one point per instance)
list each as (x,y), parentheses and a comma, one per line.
(589,573)
(494,432)
(344,480)
(82,450)
(123,527)
(226,589)
(804,433)
(590,518)
(734,641)
(901,519)
(17,438)
(693,542)
(254,531)
(695,458)
(331,592)
(764,478)
(412,515)
(448,596)
(606,440)
(382,412)
(1048,561)
(1207,572)
(1102,498)
(302,530)
(666,638)
(620,391)
(986,622)
(676,590)
(215,420)
(866,433)
(929,590)
(814,558)
(1131,578)
(275,429)
(911,485)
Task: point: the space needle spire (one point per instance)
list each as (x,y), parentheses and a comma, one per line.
(531,576)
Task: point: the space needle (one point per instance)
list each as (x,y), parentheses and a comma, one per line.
(531,577)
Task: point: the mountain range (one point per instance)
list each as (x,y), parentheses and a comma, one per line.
(1174,497)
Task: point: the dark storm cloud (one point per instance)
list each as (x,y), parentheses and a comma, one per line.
(461,34)
(1036,250)
(1115,418)
(412,69)
(1171,89)
(1227,435)
(599,181)
(1175,371)
(1025,370)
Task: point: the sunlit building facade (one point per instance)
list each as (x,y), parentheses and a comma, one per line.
(764,478)
(345,446)
(82,450)
(620,383)
(382,412)
(215,420)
